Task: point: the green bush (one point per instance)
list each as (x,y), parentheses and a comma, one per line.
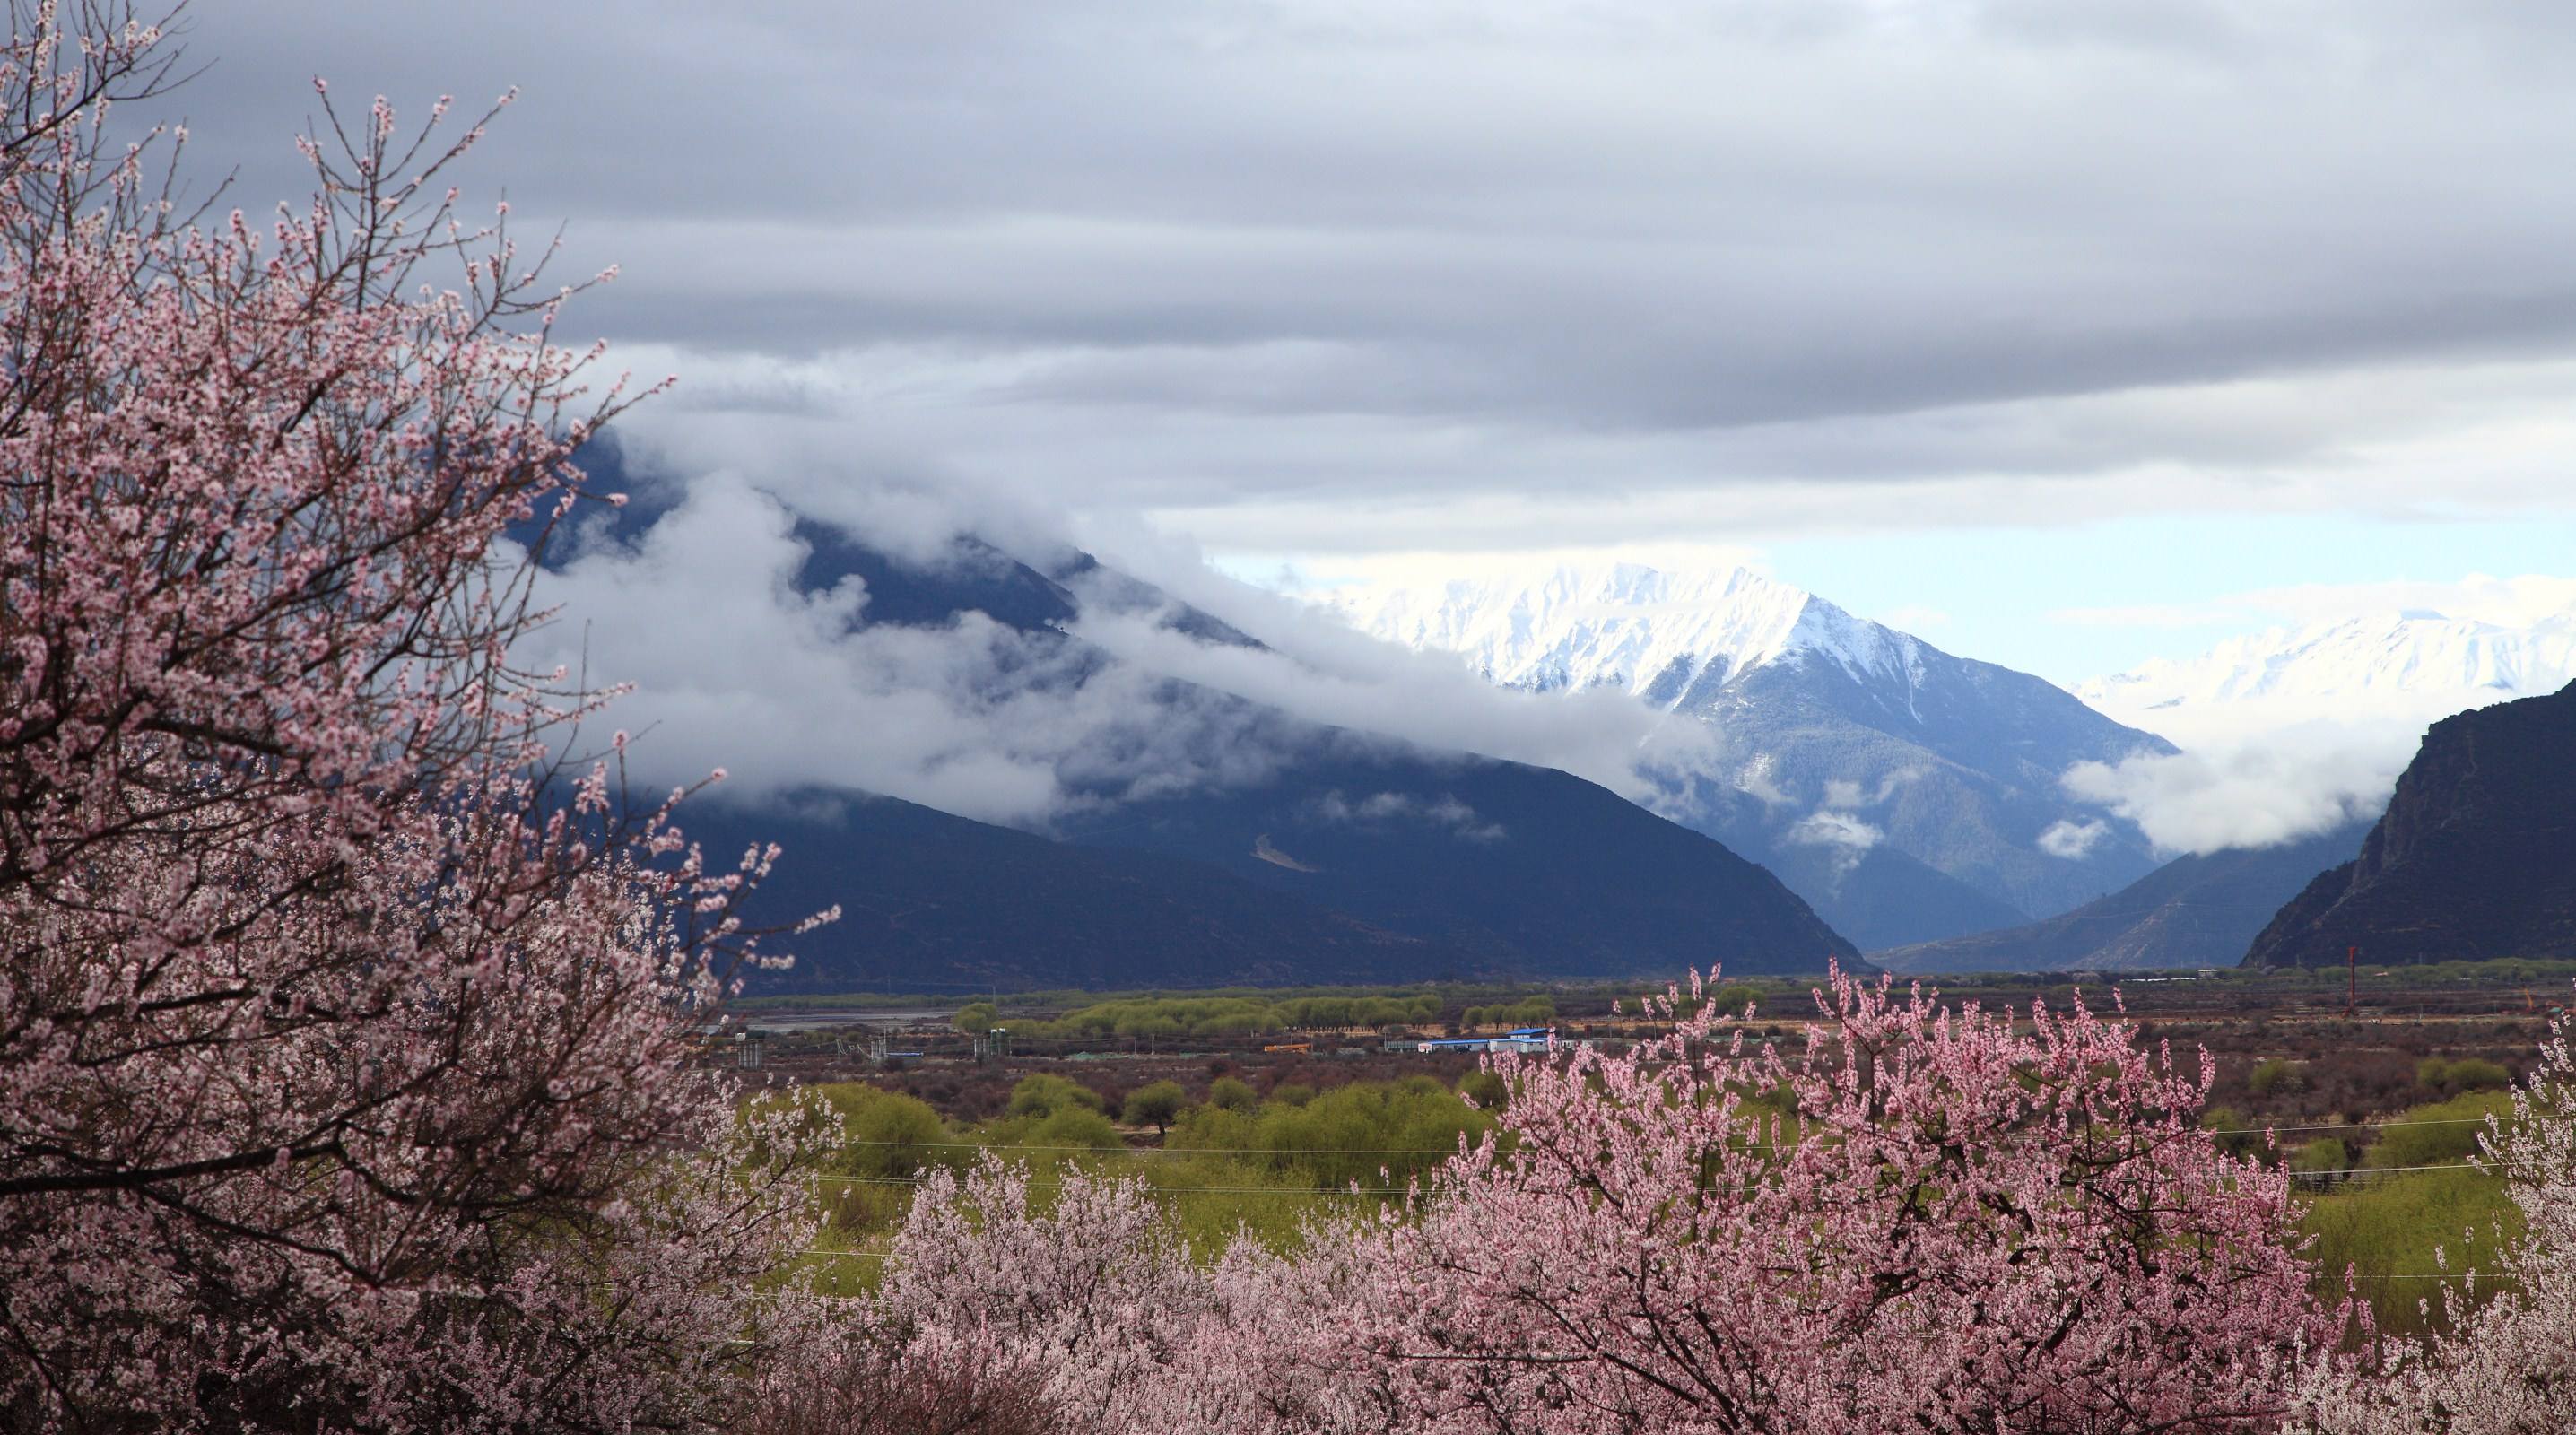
(1362,1132)
(2451,1078)
(1533,1011)
(1488,1090)
(1155,1104)
(1042,1095)
(975,1017)
(1734,997)
(2324,1155)
(1174,1016)
(884,1133)
(2450,1132)
(1230,1094)
(2276,1077)
(2240,1139)
(1060,1134)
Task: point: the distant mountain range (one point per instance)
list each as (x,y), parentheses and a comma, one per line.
(1908,794)
(2475,857)
(2417,664)
(1321,855)
(2199,910)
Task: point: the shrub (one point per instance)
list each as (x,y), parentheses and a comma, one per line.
(1231,1094)
(2451,1078)
(1484,1088)
(884,1134)
(2447,1131)
(1042,1095)
(1155,1104)
(2276,1077)
(2236,1135)
(2322,1156)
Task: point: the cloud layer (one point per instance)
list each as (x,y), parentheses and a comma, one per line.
(2262,792)
(735,663)
(1310,275)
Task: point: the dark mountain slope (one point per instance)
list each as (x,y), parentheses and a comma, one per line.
(2195,911)
(2475,857)
(1526,868)
(933,902)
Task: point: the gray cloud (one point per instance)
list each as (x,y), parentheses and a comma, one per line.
(1249,264)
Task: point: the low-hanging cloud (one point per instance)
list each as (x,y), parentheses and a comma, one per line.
(2263,792)
(2072,840)
(733,663)
(1848,836)
(1837,829)
(1381,808)
(1330,676)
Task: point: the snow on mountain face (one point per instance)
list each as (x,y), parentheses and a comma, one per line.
(1625,626)
(1906,792)
(2411,664)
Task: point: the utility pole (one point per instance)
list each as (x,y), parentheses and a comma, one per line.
(2351,980)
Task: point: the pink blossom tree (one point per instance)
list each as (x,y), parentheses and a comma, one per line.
(1935,1220)
(346,1040)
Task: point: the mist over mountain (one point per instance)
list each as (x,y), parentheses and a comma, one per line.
(2294,730)
(932,696)
(1837,739)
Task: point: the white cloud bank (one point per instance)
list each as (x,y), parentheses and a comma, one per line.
(2264,791)
(2073,840)
(733,665)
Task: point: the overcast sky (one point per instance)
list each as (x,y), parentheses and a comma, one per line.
(2064,334)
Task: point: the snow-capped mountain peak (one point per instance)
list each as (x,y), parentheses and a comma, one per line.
(1623,625)
(1904,791)
(2414,661)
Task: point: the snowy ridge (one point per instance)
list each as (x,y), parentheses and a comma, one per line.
(1624,625)
(2410,660)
